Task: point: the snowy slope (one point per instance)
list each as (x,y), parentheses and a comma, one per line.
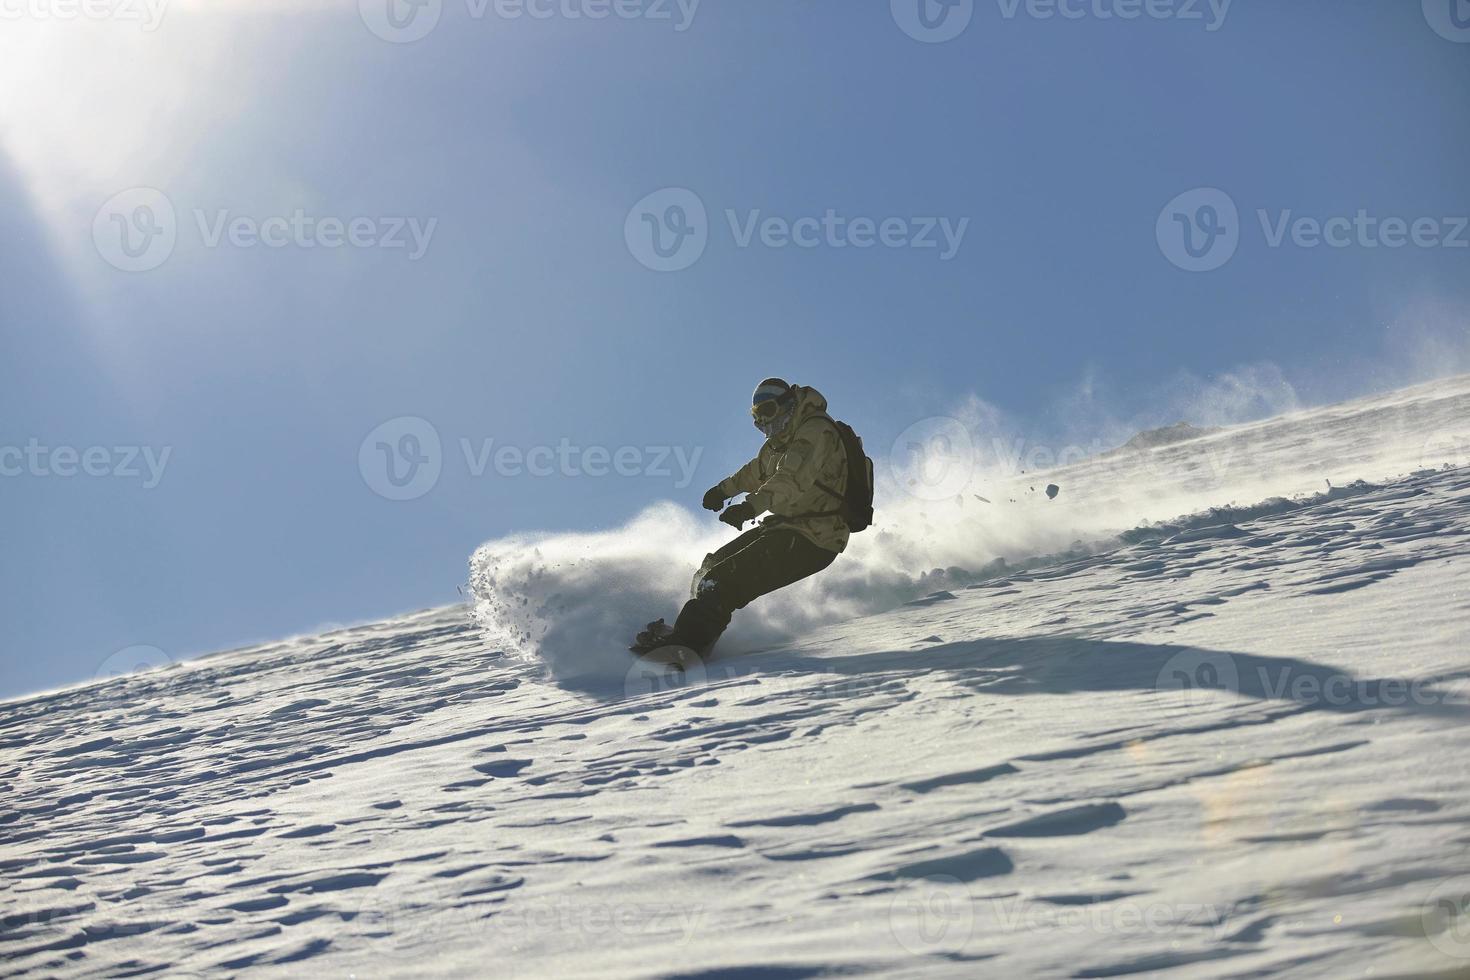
(562,599)
(1235,745)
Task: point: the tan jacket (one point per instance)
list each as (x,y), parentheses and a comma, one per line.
(783,477)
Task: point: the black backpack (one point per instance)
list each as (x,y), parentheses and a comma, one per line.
(857,503)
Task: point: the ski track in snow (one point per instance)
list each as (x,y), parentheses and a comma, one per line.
(1223,750)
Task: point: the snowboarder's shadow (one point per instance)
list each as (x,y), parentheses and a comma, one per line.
(1062,664)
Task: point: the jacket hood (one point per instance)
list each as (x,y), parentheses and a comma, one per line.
(809,402)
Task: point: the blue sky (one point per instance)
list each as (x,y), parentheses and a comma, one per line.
(518,147)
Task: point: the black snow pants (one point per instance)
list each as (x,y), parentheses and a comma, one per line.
(760,561)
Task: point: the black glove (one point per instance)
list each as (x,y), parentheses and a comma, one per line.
(714,498)
(737,514)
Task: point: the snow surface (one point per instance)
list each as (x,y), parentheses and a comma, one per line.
(1217,746)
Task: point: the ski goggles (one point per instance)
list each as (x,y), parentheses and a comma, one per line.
(768,409)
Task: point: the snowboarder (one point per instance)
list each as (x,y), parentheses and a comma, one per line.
(812,475)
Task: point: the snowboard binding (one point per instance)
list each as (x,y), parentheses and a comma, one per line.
(659,642)
(658,633)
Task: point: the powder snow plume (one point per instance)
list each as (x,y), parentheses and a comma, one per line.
(950,503)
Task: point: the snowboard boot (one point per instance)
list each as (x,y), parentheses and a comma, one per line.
(702,621)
